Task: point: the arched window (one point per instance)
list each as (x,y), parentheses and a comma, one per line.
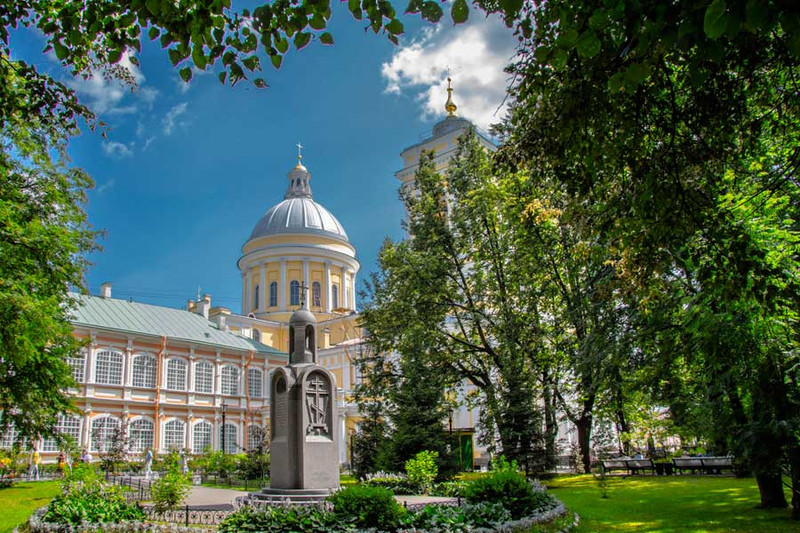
(104,429)
(176,374)
(77,364)
(201,438)
(335,296)
(256,335)
(231,433)
(294,292)
(255,385)
(204,377)
(273,294)
(255,437)
(255,297)
(68,426)
(174,434)
(316,294)
(230,380)
(141,434)
(108,367)
(144,371)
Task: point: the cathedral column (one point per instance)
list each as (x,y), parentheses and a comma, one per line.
(282,286)
(352,283)
(244,292)
(262,290)
(345,290)
(249,298)
(327,281)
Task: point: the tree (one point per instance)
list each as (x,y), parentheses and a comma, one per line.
(673,127)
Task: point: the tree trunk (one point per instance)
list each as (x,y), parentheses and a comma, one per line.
(771,489)
(794,469)
(584,426)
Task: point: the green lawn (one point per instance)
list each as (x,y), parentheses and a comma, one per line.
(18,502)
(670,503)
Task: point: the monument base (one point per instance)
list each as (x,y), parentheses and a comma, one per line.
(270,496)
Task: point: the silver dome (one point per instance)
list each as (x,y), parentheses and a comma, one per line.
(299,215)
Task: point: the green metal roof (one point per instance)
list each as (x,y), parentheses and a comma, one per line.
(178,324)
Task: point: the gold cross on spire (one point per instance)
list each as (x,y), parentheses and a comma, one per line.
(299,153)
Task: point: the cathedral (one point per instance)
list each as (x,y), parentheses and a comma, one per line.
(198,378)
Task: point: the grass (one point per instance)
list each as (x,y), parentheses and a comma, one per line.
(670,503)
(19,501)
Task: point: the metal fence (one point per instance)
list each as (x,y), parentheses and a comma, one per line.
(138,489)
(188,516)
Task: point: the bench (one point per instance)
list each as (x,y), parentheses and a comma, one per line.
(707,465)
(630,465)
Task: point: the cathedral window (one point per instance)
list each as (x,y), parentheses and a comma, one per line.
(174,432)
(255,297)
(176,374)
(202,437)
(335,296)
(68,426)
(316,294)
(255,386)
(273,294)
(141,434)
(77,364)
(103,430)
(144,371)
(204,377)
(230,380)
(256,335)
(294,293)
(108,368)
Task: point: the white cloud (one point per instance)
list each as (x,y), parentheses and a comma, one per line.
(107,185)
(148,142)
(104,93)
(476,54)
(173,118)
(118,150)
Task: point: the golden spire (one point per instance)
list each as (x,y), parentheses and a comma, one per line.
(450,106)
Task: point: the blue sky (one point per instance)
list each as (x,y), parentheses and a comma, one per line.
(187,171)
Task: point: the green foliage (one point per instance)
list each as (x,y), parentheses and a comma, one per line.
(396,483)
(422,470)
(170,490)
(285,519)
(93,502)
(466,518)
(81,473)
(511,490)
(367,507)
(450,489)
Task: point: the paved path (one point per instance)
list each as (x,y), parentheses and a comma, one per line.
(423,500)
(207,497)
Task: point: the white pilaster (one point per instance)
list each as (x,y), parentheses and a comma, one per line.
(345,290)
(249,297)
(262,289)
(282,286)
(327,281)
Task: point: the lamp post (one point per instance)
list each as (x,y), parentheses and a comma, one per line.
(224,409)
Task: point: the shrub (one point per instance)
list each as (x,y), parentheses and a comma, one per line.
(458,519)
(169,491)
(367,507)
(511,490)
(397,483)
(93,502)
(421,470)
(279,519)
(450,489)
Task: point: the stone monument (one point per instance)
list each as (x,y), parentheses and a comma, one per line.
(304,447)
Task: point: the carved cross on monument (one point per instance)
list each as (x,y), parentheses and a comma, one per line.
(317,400)
(304,295)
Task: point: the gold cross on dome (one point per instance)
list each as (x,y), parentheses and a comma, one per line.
(299,152)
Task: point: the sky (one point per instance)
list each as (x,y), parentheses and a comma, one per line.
(187,170)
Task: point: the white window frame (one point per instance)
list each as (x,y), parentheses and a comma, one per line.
(177,373)
(273,294)
(231,437)
(67,425)
(174,438)
(144,368)
(108,367)
(99,440)
(206,434)
(204,383)
(255,383)
(229,380)
(78,366)
(141,438)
